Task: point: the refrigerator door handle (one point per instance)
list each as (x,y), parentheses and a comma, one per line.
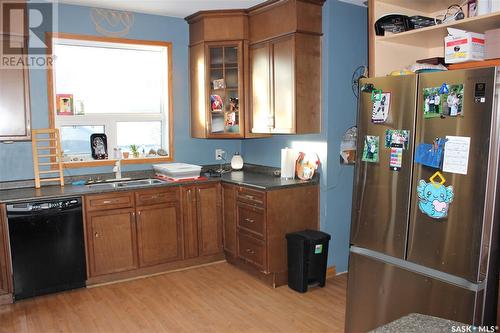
(419,269)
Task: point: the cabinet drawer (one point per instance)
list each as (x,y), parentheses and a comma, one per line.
(152,197)
(250,196)
(109,201)
(252,250)
(251,218)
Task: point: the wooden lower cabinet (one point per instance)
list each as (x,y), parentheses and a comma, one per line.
(208,205)
(153,230)
(159,234)
(112,241)
(5,276)
(229,218)
(202,219)
(263,218)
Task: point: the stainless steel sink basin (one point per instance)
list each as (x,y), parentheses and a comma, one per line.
(126,183)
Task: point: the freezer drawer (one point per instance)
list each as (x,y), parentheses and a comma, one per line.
(453,244)
(380,292)
(381,196)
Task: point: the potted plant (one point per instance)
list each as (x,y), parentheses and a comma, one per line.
(134,150)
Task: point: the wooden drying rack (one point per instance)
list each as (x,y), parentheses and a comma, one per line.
(47,156)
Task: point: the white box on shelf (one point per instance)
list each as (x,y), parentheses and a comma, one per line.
(466,46)
(492,50)
(178,171)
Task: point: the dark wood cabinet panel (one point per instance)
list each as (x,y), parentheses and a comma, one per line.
(159,234)
(229,218)
(156,196)
(284,85)
(14,98)
(99,202)
(112,241)
(208,197)
(252,250)
(251,218)
(189,220)
(5,276)
(260,95)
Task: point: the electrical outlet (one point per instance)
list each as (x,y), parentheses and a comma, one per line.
(218,154)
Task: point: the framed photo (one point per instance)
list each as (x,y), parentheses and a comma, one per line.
(219,84)
(64,104)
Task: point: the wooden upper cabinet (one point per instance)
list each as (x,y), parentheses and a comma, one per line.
(217,51)
(159,234)
(14,96)
(14,18)
(5,277)
(208,197)
(111,241)
(286,85)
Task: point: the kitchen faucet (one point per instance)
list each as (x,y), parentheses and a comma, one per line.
(117,169)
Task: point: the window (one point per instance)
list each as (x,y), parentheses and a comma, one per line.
(113,86)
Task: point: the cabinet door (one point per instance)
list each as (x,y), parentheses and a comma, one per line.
(159,234)
(229,218)
(112,241)
(190,224)
(4,254)
(14,100)
(260,69)
(208,199)
(283,85)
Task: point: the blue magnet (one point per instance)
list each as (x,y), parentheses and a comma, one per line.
(444,89)
(376,95)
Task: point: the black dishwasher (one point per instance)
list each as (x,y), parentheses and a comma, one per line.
(47,246)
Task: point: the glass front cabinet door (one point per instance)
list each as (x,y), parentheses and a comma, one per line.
(224,89)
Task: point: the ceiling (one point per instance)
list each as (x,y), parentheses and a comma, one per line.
(175,8)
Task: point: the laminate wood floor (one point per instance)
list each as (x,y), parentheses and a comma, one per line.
(215,298)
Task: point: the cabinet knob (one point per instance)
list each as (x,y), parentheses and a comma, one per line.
(249,220)
(96,235)
(250,251)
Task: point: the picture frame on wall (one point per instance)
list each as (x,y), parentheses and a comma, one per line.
(64,105)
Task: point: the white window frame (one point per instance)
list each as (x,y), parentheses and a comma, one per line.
(110,120)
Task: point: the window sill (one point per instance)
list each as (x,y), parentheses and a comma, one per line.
(111,162)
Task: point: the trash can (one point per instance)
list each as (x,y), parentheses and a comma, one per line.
(307,256)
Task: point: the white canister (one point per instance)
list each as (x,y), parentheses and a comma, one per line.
(237,161)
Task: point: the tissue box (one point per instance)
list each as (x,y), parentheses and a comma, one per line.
(468,46)
(492,49)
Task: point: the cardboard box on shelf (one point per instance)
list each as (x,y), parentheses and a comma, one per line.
(492,49)
(463,46)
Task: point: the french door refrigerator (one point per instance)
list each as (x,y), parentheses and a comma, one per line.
(424,234)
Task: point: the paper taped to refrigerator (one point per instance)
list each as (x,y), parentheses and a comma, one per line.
(456,154)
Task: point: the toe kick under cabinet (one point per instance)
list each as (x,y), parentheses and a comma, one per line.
(256,222)
(144,232)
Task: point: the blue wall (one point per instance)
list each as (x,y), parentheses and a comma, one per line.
(16,159)
(344,49)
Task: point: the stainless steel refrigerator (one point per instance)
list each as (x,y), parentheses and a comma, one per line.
(410,253)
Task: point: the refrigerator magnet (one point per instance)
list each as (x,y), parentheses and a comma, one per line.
(400,137)
(396,158)
(434,201)
(453,101)
(371,149)
(381,107)
(432,103)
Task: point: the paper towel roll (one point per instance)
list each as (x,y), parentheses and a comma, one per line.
(287,163)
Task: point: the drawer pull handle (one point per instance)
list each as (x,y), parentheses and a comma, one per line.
(250,251)
(250,197)
(106,202)
(249,220)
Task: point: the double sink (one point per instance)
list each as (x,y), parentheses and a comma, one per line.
(125,184)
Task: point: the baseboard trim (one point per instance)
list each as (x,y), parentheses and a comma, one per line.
(331,272)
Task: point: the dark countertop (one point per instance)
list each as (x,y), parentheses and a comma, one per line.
(257,180)
(418,323)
